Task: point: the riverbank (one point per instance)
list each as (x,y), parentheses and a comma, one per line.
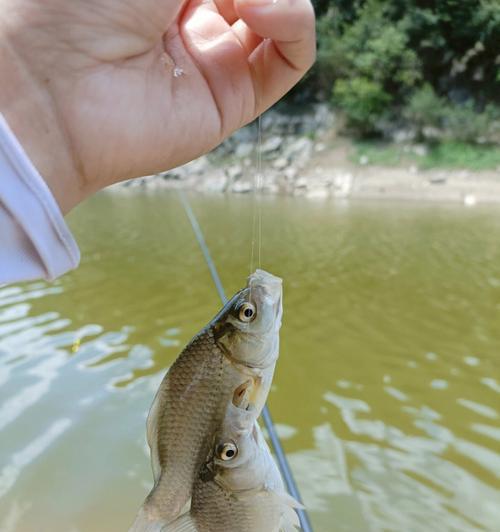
(304,154)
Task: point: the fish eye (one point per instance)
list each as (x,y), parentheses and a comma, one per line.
(247,312)
(227,451)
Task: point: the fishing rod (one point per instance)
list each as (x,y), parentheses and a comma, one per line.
(284,466)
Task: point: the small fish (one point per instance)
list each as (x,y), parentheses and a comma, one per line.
(240,487)
(240,344)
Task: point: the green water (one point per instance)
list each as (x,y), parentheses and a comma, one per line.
(387,392)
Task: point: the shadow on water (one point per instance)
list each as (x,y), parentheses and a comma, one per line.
(387,390)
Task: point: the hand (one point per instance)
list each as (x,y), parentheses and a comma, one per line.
(98,91)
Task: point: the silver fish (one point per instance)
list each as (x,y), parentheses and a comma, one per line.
(239,489)
(241,343)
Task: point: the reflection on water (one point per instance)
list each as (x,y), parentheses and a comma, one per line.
(387,390)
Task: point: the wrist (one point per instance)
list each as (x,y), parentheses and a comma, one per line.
(30,111)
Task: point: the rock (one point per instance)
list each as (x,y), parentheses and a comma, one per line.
(234,172)
(470,200)
(270,188)
(319,147)
(214,182)
(401,136)
(267,120)
(224,149)
(301,182)
(268,180)
(196,167)
(247,134)
(242,187)
(290,173)
(175,174)
(244,149)
(299,150)
(439,179)
(420,150)
(307,125)
(432,133)
(141,181)
(318,192)
(281,163)
(274,122)
(272,144)
(324,116)
(342,185)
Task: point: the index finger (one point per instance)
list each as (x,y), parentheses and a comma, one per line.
(288,49)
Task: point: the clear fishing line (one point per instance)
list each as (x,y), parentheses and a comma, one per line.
(256,201)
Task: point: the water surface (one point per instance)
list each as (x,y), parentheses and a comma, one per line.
(386,393)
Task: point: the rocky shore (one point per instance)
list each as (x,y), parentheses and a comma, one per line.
(302,154)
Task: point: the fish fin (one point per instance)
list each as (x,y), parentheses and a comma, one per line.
(144,522)
(184,523)
(288,500)
(152,434)
(289,518)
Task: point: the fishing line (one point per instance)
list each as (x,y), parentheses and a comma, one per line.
(266,416)
(259,185)
(256,201)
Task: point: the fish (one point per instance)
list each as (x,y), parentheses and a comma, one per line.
(239,488)
(239,344)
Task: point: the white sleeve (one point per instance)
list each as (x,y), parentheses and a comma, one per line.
(35,242)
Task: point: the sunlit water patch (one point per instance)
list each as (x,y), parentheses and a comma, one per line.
(387,393)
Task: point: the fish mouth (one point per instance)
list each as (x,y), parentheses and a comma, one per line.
(266,281)
(266,285)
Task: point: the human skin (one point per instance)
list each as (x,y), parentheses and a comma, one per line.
(98,91)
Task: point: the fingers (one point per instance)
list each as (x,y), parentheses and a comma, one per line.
(227,10)
(248,39)
(222,61)
(288,49)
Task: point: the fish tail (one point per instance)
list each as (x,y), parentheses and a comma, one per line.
(146,521)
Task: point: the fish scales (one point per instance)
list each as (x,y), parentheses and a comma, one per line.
(215,509)
(199,385)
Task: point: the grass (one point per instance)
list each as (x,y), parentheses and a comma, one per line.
(460,155)
(446,155)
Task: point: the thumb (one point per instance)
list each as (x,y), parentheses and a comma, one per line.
(289,46)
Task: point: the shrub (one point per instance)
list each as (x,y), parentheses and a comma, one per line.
(423,58)
(364,102)
(425,109)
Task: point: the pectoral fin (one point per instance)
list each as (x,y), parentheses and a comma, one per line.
(184,523)
(289,519)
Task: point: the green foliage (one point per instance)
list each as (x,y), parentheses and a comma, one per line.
(381,154)
(445,155)
(429,63)
(363,101)
(425,109)
(464,123)
(460,122)
(461,155)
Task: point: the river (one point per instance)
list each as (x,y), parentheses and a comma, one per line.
(387,390)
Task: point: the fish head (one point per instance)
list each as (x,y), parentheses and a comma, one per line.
(238,460)
(247,329)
